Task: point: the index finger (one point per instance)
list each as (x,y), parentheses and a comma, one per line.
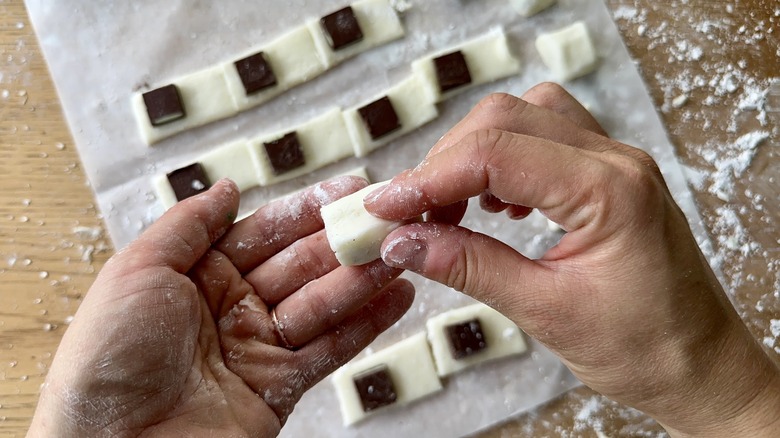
(279,224)
(519,169)
(545,111)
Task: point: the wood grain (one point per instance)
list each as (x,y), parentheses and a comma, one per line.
(52,241)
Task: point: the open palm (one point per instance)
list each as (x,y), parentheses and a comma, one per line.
(176,335)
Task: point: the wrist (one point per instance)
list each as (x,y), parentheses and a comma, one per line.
(757,419)
(737,392)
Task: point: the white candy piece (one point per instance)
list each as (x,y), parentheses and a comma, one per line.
(323,140)
(502,336)
(204,96)
(410,105)
(569,52)
(354,234)
(410,366)
(527,8)
(488,58)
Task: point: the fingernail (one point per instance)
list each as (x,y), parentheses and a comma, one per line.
(375,195)
(405,253)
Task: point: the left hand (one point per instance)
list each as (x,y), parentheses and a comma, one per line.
(175,336)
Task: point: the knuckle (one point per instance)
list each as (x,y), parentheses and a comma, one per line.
(499,104)
(378,274)
(467,273)
(636,174)
(637,180)
(458,277)
(308,260)
(488,142)
(646,160)
(546,94)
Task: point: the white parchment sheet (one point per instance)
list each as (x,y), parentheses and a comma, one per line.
(99,51)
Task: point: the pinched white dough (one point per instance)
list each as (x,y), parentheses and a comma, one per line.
(354,234)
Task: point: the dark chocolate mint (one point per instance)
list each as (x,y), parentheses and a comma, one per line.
(285,153)
(466,338)
(375,388)
(380,117)
(341,28)
(164,105)
(189,181)
(255,73)
(452,71)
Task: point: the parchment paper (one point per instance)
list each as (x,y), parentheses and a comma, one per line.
(100,51)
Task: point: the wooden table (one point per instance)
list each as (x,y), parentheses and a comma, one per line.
(52,241)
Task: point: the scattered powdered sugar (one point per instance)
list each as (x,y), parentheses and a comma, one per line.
(88,234)
(715,66)
(730,161)
(401,5)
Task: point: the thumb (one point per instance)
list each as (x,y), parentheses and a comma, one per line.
(478,265)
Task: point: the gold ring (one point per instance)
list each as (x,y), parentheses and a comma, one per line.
(278,326)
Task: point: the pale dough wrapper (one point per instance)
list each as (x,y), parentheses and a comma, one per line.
(295,57)
(411,106)
(354,234)
(568,52)
(410,366)
(502,336)
(488,58)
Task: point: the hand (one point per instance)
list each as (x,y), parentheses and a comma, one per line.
(625,299)
(175,336)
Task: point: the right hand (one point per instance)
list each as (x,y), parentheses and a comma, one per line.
(626,298)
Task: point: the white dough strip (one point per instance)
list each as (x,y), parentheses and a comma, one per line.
(339,134)
(488,57)
(297,56)
(410,365)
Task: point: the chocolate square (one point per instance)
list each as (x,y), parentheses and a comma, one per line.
(255,73)
(341,28)
(380,117)
(189,181)
(375,388)
(285,153)
(164,105)
(452,71)
(466,338)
